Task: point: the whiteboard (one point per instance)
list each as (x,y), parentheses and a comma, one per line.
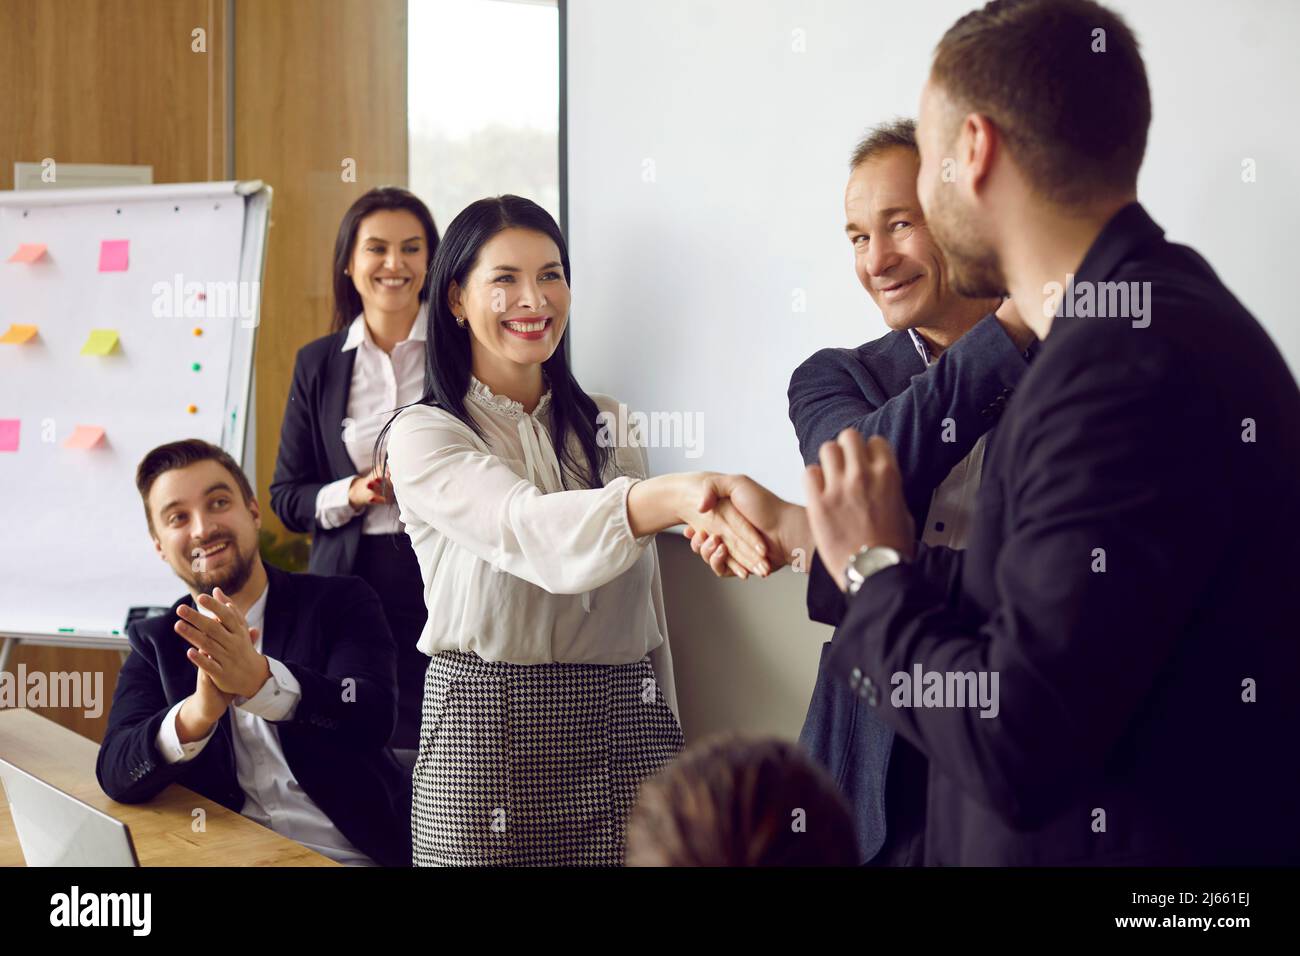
(75,552)
(707,155)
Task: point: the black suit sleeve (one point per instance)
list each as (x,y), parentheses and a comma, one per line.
(825,599)
(129,767)
(1105,470)
(298,473)
(352,693)
(940,566)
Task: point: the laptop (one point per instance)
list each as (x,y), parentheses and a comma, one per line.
(56,829)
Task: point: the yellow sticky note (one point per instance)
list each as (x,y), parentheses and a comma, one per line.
(18,334)
(101,342)
(85,436)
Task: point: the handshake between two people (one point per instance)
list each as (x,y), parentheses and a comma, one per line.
(855,500)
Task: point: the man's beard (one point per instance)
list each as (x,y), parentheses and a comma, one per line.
(973,269)
(230,579)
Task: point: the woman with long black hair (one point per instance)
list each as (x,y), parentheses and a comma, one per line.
(345,388)
(549,695)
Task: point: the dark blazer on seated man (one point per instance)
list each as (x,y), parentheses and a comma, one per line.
(1127,581)
(886,387)
(331,635)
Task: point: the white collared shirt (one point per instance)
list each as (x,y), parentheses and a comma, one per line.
(516,568)
(952,506)
(381,383)
(272,795)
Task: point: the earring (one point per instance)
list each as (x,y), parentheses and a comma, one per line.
(460,320)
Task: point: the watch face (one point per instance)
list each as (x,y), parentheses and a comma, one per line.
(872,560)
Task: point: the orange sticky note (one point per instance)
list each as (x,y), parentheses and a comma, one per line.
(28,252)
(101,342)
(86,436)
(8,434)
(114,255)
(18,334)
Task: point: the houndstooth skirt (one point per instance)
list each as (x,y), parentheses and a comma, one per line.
(534,765)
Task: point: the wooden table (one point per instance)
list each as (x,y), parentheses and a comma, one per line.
(162,828)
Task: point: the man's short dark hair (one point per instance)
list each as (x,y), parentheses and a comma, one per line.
(896,134)
(181,454)
(1064,83)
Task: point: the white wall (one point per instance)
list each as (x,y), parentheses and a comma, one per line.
(707,161)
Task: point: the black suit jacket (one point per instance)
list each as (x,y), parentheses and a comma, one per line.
(325,630)
(884,388)
(312,453)
(1126,581)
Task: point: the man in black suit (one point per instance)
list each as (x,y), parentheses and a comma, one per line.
(1106,674)
(273,694)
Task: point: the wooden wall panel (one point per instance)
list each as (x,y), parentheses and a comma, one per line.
(114,81)
(317,83)
(111,81)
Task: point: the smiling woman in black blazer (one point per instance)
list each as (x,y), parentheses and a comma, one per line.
(345,387)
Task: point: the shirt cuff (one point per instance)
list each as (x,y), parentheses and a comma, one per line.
(627,519)
(169,741)
(333,510)
(278,697)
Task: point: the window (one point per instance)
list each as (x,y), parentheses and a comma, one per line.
(483,95)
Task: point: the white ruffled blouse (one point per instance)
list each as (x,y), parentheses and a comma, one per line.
(516,568)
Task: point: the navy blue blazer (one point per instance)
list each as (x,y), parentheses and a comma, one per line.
(884,388)
(324,630)
(312,453)
(1126,579)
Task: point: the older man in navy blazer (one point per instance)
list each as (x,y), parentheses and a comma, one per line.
(933,386)
(273,694)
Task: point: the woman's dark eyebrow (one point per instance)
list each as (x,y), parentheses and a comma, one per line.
(549,265)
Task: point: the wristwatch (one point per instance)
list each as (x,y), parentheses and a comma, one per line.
(867,562)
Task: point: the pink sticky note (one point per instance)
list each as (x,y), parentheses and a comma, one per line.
(114,254)
(8,434)
(86,436)
(28,252)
